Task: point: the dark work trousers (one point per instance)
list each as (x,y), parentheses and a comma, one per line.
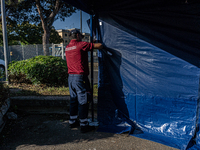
(79,88)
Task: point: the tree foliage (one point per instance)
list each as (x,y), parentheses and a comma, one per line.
(55,37)
(26,33)
(27,10)
(44,12)
(12,39)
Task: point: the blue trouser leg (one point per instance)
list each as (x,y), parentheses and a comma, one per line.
(73,101)
(79,87)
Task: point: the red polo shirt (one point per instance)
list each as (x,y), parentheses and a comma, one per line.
(77,57)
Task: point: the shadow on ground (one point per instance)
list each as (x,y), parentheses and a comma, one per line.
(52,132)
(43,130)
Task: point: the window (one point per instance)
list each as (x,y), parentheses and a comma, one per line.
(65,41)
(65,34)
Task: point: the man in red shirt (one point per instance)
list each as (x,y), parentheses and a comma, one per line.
(79,86)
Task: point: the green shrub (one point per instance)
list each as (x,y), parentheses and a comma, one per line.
(1,74)
(39,70)
(4,94)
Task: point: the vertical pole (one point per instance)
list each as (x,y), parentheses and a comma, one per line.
(53,49)
(5,40)
(81,21)
(62,51)
(91,62)
(9,53)
(36,50)
(23,52)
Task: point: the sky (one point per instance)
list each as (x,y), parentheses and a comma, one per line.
(74,22)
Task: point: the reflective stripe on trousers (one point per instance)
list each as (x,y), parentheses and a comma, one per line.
(79,86)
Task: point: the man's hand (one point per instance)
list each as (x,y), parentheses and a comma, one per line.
(98,46)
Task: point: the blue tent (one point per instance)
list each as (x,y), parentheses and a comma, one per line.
(149,69)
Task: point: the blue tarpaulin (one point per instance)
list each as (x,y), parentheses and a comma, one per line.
(149,69)
(150,90)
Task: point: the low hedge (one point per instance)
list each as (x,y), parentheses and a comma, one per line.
(39,70)
(1,74)
(4,93)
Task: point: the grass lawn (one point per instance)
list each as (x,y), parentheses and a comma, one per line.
(36,90)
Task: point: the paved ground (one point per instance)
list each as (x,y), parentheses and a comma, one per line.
(51,132)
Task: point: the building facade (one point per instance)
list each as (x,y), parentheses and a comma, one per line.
(64,33)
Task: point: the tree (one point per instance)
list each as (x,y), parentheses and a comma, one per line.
(26,33)
(55,37)
(12,40)
(40,11)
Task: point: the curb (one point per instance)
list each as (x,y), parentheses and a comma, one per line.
(43,104)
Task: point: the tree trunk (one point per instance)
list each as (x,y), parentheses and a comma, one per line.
(45,42)
(47,24)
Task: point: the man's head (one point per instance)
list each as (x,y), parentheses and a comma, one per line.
(75,34)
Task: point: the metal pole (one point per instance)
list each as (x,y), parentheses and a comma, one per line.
(36,50)
(91,39)
(53,49)
(9,53)
(81,21)
(5,40)
(62,51)
(23,52)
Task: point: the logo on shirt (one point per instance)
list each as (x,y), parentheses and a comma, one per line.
(70,48)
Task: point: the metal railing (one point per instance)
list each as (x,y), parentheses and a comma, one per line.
(23,52)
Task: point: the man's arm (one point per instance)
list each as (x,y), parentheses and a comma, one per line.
(98,46)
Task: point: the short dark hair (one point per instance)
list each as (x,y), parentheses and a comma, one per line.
(73,33)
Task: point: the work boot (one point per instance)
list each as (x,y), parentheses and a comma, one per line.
(75,124)
(87,128)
